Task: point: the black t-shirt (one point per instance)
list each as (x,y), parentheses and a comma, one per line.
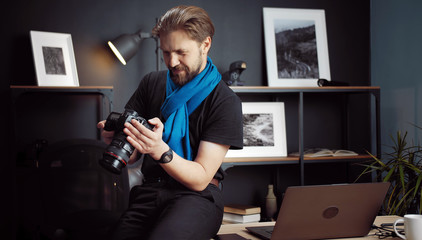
(217,119)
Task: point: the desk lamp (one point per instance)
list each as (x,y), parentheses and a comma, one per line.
(125,46)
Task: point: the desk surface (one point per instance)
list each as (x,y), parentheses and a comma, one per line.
(240,228)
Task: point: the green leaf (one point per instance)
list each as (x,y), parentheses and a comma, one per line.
(389,174)
(401,171)
(402,200)
(377,160)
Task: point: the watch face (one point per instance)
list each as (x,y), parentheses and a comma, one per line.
(167,157)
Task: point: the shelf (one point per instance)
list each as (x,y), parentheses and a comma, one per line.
(55,88)
(282,160)
(261,159)
(231,162)
(271,90)
(301,92)
(104,91)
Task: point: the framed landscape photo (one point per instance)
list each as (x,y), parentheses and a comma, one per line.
(296,47)
(54,59)
(264,131)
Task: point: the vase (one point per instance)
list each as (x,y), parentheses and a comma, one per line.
(270,203)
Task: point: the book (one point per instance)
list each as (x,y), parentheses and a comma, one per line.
(324,152)
(230,236)
(241,209)
(241,218)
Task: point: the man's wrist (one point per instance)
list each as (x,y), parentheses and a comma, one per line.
(166,157)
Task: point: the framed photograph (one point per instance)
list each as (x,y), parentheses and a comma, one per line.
(264,131)
(54,59)
(296,47)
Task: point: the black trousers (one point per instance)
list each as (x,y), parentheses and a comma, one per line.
(168,210)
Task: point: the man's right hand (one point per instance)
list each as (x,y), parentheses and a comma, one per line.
(107,135)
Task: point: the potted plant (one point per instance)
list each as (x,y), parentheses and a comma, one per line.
(402,167)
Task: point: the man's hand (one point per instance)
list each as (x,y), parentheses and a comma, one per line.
(195,175)
(145,140)
(107,135)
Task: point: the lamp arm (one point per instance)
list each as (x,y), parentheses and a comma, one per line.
(157,53)
(143,35)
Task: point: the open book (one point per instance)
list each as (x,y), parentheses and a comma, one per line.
(324,152)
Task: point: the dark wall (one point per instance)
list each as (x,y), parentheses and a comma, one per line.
(396,53)
(239,36)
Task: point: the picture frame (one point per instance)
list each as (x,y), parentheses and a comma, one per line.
(54,59)
(264,131)
(296,47)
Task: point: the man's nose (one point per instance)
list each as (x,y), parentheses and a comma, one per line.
(173,60)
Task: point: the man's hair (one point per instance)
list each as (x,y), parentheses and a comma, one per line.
(193,20)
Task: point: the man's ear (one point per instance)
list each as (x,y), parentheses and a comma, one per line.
(206,45)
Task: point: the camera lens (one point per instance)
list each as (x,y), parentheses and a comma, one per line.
(112,163)
(117,154)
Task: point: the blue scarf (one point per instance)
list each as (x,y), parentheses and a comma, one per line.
(180,102)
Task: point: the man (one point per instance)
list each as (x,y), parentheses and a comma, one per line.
(196,119)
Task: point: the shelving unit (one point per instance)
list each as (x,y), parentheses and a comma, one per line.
(301,92)
(22,95)
(105,91)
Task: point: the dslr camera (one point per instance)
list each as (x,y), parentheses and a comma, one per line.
(117,154)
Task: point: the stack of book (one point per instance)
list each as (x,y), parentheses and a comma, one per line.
(236,213)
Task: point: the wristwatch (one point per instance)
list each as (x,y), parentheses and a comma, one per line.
(166,157)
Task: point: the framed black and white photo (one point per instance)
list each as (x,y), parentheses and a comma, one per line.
(296,47)
(264,131)
(54,59)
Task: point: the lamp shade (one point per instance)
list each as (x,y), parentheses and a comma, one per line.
(126,45)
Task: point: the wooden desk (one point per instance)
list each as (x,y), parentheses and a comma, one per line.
(240,228)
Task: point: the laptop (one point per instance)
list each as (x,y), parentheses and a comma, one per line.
(326,211)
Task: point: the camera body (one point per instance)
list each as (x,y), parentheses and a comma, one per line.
(117,154)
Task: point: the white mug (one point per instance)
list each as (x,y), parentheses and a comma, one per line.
(412,227)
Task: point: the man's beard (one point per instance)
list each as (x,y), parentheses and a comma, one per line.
(189,75)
